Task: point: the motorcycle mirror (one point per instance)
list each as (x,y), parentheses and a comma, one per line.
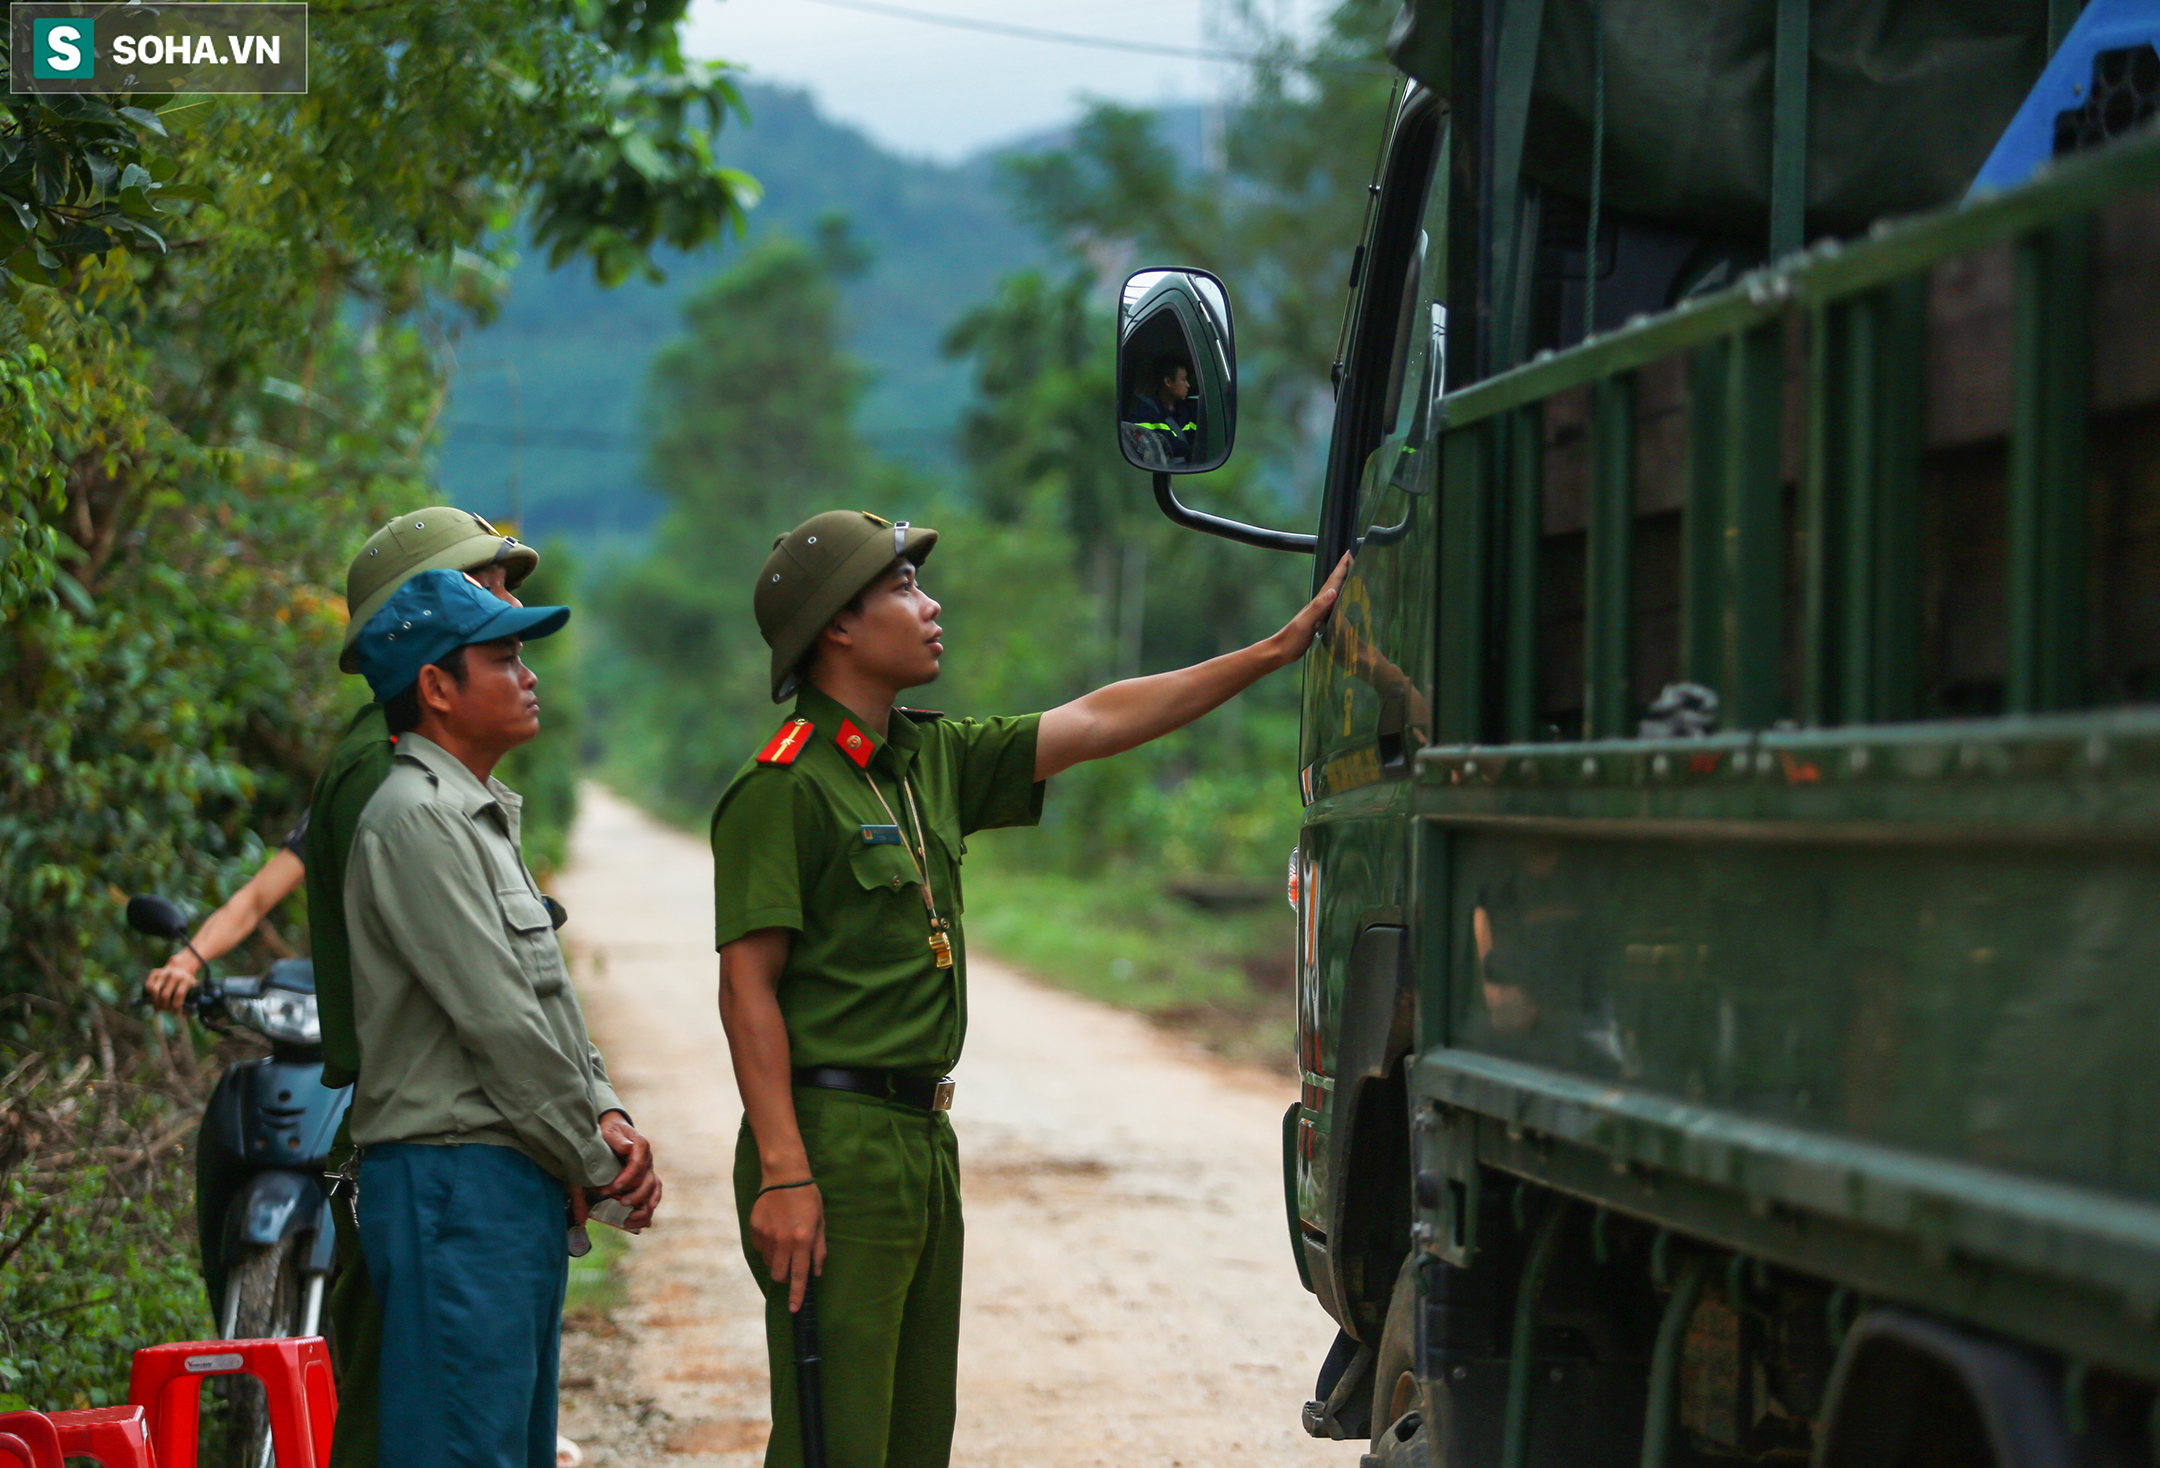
(157,917)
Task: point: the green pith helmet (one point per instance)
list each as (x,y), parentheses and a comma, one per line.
(438,538)
(816,569)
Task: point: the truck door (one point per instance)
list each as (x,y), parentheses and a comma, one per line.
(1368,684)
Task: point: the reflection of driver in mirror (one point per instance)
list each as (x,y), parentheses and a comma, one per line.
(1163,421)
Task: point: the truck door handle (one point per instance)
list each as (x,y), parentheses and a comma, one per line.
(1388,728)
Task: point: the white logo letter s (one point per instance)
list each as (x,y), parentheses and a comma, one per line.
(61,39)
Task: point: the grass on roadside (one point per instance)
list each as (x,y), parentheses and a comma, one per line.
(1221,978)
(596,1281)
(97,1218)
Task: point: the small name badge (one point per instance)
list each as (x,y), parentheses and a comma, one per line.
(881,835)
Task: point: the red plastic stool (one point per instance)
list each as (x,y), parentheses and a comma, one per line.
(118,1437)
(28,1438)
(14,1450)
(297,1386)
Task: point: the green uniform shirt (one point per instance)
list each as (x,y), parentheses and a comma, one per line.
(464,1006)
(861,986)
(347,784)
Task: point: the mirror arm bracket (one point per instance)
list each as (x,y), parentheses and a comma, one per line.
(1243,534)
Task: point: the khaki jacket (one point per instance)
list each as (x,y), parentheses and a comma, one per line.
(470,1028)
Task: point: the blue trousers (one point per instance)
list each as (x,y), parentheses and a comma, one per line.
(464,1248)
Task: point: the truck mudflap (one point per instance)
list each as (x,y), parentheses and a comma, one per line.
(1290,1191)
(1897,1366)
(1341,1408)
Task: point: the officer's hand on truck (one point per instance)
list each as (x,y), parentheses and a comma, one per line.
(1127,714)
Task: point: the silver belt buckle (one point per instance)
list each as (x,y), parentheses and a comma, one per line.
(941,1095)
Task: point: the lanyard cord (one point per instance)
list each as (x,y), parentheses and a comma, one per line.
(921,864)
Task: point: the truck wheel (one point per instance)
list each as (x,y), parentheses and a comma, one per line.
(1401,1437)
(262,1301)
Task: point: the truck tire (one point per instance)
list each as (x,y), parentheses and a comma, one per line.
(262,1301)
(1401,1436)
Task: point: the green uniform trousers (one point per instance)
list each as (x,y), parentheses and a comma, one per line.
(355,1329)
(889,1299)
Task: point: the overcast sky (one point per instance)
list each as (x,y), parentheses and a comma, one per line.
(940,92)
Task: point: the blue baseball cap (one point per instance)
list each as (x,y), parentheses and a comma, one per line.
(433,614)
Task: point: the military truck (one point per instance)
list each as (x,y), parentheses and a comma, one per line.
(1728,890)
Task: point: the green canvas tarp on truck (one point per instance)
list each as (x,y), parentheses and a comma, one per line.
(1904,98)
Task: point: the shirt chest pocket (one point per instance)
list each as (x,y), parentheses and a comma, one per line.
(532,937)
(892,922)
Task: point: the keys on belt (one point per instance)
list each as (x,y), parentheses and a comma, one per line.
(345,1182)
(887,1085)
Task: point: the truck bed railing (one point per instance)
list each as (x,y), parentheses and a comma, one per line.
(1811,406)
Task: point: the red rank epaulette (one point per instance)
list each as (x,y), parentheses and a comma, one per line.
(793,738)
(855,744)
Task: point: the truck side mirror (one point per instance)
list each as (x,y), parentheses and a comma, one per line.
(1177,391)
(1177,372)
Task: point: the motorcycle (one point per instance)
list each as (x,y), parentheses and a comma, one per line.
(261,1204)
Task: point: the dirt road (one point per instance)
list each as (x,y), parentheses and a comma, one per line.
(1130,1297)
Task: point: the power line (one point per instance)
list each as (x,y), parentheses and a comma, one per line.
(1106,43)
(601,440)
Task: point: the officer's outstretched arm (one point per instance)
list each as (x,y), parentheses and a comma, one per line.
(1126,715)
(787,1224)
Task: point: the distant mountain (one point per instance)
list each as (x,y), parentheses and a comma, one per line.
(542,420)
(1186,126)
(543,413)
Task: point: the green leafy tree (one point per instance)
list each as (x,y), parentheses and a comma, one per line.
(1044,465)
(75,181)
(1277,220)
(199,420)
(204,431)
(749,426)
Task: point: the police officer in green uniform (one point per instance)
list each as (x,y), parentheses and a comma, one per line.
(843,972)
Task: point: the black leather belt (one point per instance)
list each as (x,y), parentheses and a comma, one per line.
(886,1085)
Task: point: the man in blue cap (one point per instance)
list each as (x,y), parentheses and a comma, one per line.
(479,1109)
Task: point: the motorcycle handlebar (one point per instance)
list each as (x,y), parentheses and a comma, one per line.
(204,1001)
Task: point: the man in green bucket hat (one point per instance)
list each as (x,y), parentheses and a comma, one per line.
(482,1107)
(843,971)
(439,537)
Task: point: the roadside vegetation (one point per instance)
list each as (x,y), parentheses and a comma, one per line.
(1218,975)
(225,327)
